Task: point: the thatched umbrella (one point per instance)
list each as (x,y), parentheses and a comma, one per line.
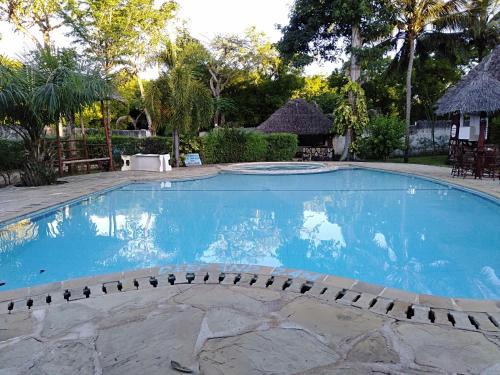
(476,94)
(478,91)
(299,117)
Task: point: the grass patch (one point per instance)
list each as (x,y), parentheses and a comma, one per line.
(440,160)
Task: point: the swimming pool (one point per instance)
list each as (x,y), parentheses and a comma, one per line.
(383,228)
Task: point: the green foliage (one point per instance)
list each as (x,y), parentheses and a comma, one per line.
(11,158)
(234,145)
(383,136)
(178,99)
(49,86)
(347,116)
(317,26)
(317,89)
(256,147)
(281,146)
(494,131)
(131,145)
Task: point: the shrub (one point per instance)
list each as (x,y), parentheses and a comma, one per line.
(233,145)
(256,148)
(383,136)
(11,158)
(281,146)
(131,145)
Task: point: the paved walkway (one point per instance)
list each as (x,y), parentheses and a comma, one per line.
(227,329)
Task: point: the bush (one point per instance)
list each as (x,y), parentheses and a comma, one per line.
(233,146)
(256,148)
(281,146)
(11,158)
(383,136)
(131,145)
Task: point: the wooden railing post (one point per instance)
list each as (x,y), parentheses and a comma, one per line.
(59,153)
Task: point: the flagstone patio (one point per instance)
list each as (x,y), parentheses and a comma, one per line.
(226,329)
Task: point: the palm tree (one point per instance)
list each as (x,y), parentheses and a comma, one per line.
(414,17)
(179,99)
(477,27)
(40,92)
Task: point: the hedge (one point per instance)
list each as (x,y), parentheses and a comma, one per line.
(281,146)
(131,145)
(233,146)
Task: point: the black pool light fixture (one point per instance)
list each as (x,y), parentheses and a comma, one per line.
(67,295)
(86,292)
(171,279)
(222,276)
(190,277)
(153,281)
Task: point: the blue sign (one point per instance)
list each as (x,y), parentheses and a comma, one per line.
(192,159)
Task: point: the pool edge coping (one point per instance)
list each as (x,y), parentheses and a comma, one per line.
(390,302)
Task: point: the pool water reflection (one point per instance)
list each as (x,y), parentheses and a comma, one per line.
(388,229)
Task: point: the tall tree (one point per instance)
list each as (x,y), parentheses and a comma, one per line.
(179,98)
(227,59)
(413,19)
(325,28)
(120,34)
(476,26)
(26,15)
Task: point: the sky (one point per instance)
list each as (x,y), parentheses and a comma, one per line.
(204,18)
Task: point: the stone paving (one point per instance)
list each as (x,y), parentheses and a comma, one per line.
(230,329)
(227,329)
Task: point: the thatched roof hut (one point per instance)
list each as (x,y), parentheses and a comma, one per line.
(478,91)
(299,117)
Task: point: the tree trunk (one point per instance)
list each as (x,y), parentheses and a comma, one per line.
(146,111)
(355,73)
(46,38)
(408,98)
(176,147)
(107,133)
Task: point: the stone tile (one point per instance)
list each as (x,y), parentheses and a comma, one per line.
(436,302)
(276,351)
(484,322)
(334,323)
(462,320)
(421,314)
(373,349)
(382,305)
(171,335)
(399,310)
(365,300)
(477,305)
(400,295)
(452,350)
(363,287)
(339,282)
(441,317)
(348,297)
(14,325)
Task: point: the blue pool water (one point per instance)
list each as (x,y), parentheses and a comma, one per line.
(388,229)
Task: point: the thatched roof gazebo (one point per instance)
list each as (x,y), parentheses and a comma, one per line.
(312,127)
(299,117)
(478,91)
(475,96)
